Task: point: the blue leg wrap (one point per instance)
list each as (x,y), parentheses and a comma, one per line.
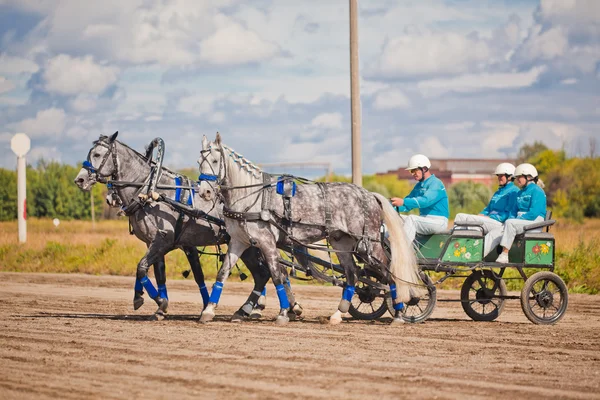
(215,295)
(397,306)
(283,299)
(150,289)
(204,294)
(162,292)
(348,293)
(264,291)
(138,285)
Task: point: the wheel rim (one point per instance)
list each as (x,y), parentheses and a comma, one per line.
(368,301)
(481,296)
(545,299)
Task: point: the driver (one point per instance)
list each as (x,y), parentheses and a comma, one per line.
(429,196)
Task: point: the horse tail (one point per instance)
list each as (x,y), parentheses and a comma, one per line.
(403,264)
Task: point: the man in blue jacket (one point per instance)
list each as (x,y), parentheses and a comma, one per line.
(497,211)
(529,207)
(429,196)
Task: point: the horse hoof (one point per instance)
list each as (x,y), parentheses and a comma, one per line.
(137,302)
(238,317)
(335,321)
(281,320)
(163,304)
(256,314)
(206,316)
(297,309)
(398,321)
(157,316)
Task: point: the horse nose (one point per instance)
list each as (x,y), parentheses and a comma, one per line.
(79,181)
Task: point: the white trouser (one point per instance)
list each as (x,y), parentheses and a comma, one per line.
(513,227)
(429,225)
(488,223)
(491,227)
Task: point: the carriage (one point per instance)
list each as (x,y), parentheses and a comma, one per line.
(454,254)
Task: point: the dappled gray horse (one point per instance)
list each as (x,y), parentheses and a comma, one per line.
(347,215)
(156,223)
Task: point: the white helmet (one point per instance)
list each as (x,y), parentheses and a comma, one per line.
(418,161)
(526,169)
(505,169)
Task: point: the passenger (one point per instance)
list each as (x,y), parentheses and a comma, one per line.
(497,211)
(429,196)
(529,208)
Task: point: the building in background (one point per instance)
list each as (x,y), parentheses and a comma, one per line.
(449,171)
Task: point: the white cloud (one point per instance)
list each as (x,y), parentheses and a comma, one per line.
(390,99)
(419,55)
(10,65)
(327,121)
(6,85)
(477,82)
(67,75)
(84,103)
(233,44)
(196,104)
(49,121)
(433,148)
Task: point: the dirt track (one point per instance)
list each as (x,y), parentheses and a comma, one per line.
(75,336)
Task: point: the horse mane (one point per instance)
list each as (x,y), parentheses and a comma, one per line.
(243,162)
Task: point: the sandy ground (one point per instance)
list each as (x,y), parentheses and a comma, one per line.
(76,336)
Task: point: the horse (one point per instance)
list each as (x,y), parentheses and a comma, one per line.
(157,224)
(348,216)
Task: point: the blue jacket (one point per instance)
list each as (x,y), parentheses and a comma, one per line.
(429,197)
(501,202)
(530,203)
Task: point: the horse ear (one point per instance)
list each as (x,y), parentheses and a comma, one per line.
(114,136)
(204,143)
(218,139)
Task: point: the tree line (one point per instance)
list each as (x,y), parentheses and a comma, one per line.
(572,188)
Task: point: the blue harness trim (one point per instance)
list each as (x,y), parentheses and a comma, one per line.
(264,291)
(189,200)
(284,189)
(215,295)
(150,289)
(348,293)
(162,291)
(207,177)
(204,294)
(88,165)
(138,285)
(283,299)
(178,182)
(397,306)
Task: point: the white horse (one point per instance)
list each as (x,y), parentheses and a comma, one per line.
(348,216)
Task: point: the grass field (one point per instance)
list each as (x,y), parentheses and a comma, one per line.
(108,248)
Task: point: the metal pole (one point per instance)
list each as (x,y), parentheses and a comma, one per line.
(93,210)
(22,198)
(355,95)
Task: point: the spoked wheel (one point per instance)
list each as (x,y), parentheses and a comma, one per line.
(544,298)
(482,294)
(418,309)
(368,302)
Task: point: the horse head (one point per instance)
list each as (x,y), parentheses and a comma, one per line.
(100,164)
(211,165)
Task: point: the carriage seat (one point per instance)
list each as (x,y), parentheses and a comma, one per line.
(534,231)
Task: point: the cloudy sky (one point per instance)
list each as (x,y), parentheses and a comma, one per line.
(448,78)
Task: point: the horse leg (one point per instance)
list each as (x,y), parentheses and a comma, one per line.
(252,308)
(138,294)
(152,256)
(279,276)
(160,274)
(236,248)
(347,261)
(192,255)
(379,253)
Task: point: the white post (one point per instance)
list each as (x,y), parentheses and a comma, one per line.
(22,198)
(20,145)
(355,95)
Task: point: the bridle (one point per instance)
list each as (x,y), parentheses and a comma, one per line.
(212,179)
(95,174)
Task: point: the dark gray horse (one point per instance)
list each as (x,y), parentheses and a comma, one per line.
(157,224)
(347,215)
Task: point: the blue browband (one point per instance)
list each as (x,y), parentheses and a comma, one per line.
(207,177)
(88,165)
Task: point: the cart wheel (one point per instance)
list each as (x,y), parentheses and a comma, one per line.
(418,309)
(368,302)
(544,298)
(480,295)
